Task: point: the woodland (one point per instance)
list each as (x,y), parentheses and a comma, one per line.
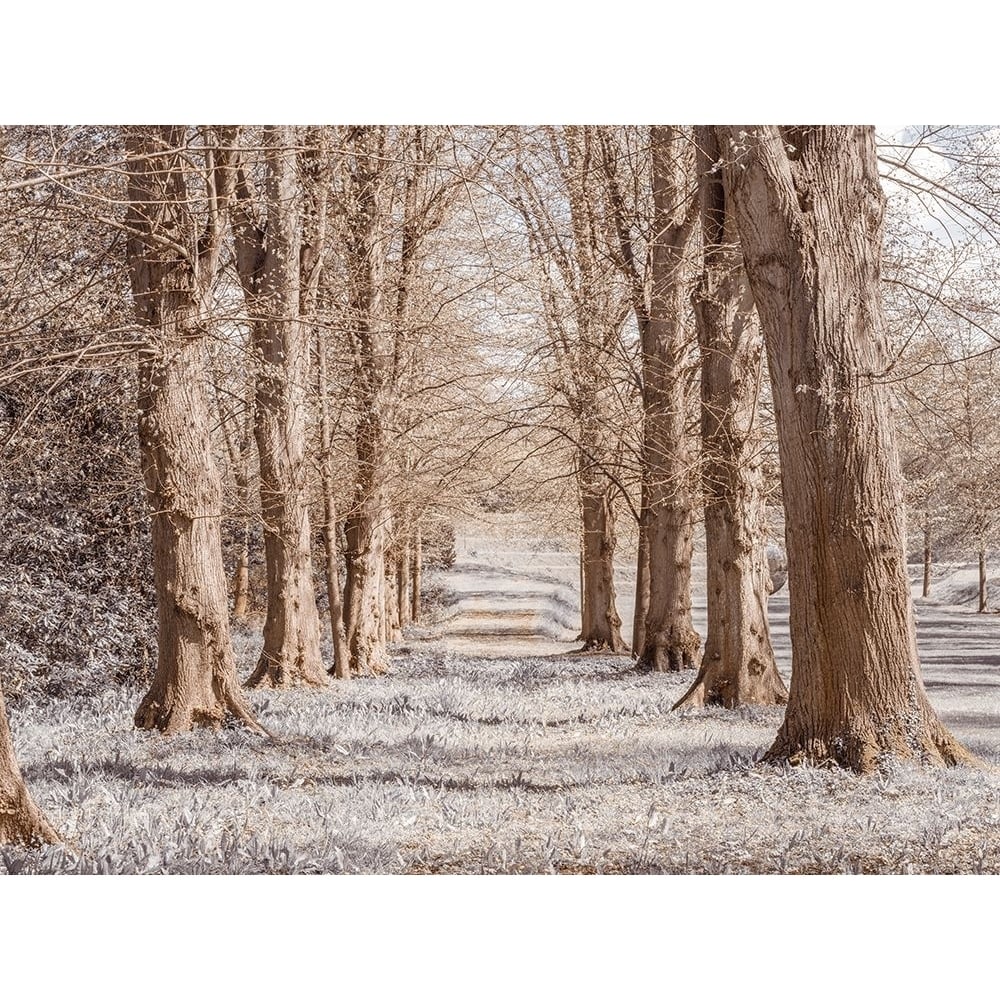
(481,499)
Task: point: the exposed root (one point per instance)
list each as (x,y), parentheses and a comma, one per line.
(694,697)
(22,823)
(601,646)
(866,754)
(670,651)
(275,674)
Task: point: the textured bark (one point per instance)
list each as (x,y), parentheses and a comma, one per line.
(21,821)
(341,668)
(982,581)
(365,556)
(738,666)
(403,603)
(809,209)
(926,588)
(195,680)
(269,265)
(241,582)
(670,641)
(416,575)
(367,521)
(641,582)
(601,628)
(239,457)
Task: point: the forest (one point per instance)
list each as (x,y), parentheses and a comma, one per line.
(419,499)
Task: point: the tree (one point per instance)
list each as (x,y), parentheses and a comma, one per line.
(738,663)
(951,447)
(809,208)
(670,641)
(584,308)
(268,257)
(21,821)
(173,255)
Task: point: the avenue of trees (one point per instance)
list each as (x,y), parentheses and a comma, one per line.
(323,341)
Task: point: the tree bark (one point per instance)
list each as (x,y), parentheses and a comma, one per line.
(341,668)
(982,581)
(403,583)
(809,209)
(738,666)
(365,556)
(416,575)
(241,581)
(641,580)
(670,641)
(601,623)
(269,264)
(195,680)
(926,589)
(21,821)
(368,518)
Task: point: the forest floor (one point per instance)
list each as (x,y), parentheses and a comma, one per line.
(490,747)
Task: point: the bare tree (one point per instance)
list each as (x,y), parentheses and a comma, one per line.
(268,256)
(738,664)
(670,641)
(21,821)
(809,207)
(173,258)
(584,307)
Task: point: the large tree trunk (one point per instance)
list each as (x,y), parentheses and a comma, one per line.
(367,522)
(671,642)
(195,680)
(341,668)
(738,666)
(601,622)
(21,821)
(269,264)
(809,208)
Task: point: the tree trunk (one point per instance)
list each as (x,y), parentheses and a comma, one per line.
(241,581)
(601,622)
(403,583)
(195,680)
(365,557)
(809,208)
(390,596)
(240,457)
(269,265)
(641,581)
(416,575)
(341,668)
(982,580)
(670,641)
(926,590)
(368,519)
(21,821)
(738,665)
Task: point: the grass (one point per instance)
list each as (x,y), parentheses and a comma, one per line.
(452,763)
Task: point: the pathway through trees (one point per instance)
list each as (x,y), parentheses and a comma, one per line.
(513,593)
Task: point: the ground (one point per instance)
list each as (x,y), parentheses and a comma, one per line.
(491,747)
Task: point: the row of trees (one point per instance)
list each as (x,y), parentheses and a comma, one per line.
(314,276)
